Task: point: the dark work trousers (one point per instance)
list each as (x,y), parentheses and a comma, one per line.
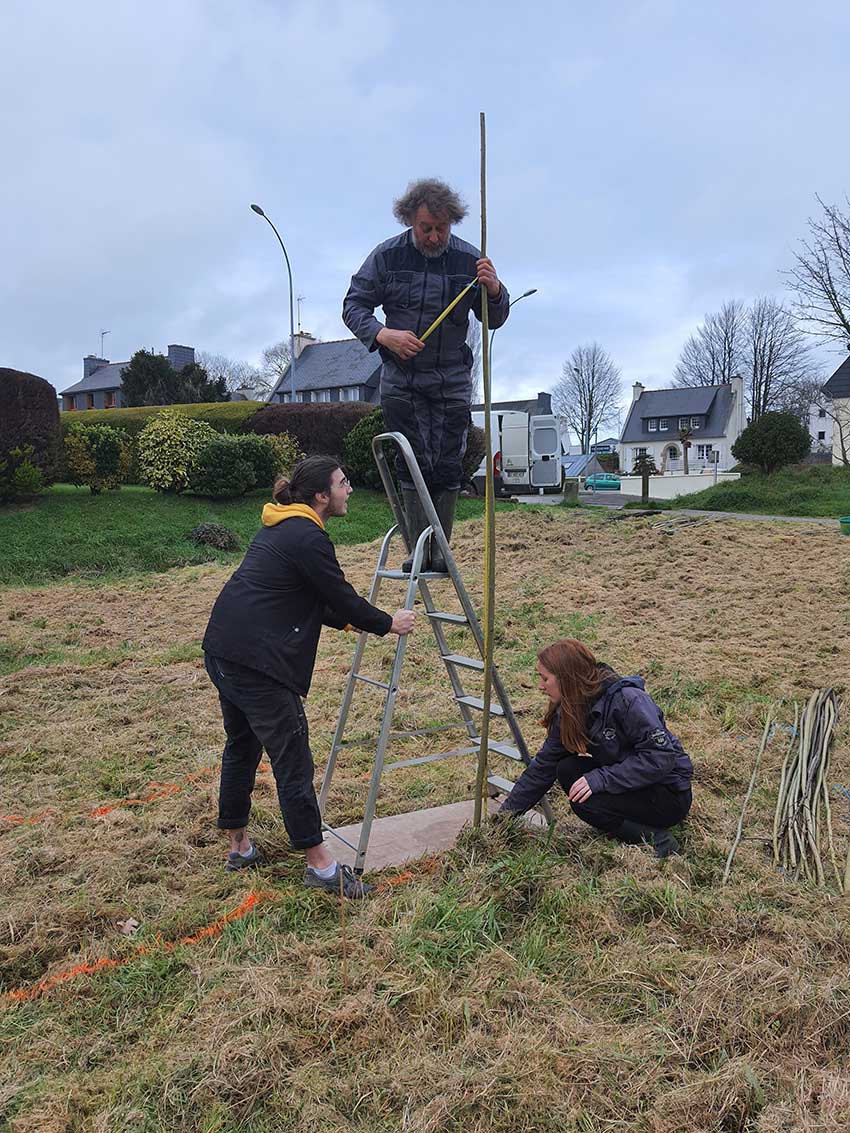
(436,426)
(258,713)
(656,805)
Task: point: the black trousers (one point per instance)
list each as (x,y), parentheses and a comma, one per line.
(436,427)
(657,805)
(258,713)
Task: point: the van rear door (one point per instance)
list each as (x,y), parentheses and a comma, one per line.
(546,468)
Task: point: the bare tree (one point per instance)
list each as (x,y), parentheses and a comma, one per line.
(588,392)
(276,361)
(236,375)
(713,355)
(776,358)
(821,274)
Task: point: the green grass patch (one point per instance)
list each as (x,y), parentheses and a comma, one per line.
(809,490)
(68,532)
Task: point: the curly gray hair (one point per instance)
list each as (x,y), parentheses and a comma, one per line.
(439,199)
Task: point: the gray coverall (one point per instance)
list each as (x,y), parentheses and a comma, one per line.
(426,398)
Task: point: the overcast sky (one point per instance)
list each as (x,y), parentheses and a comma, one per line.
(646,161)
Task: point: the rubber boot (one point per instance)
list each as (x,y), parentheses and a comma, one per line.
(417,521)
(662,841)
(445,502)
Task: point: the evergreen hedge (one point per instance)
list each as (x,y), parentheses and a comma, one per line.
(315,427)
(29,415)
(223,416)
(360,461)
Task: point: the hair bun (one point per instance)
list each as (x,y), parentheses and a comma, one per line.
(281,493)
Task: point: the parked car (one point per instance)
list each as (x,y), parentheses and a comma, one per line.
(602,482)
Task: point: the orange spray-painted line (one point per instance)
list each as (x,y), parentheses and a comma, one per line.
(157,791)
(23,994)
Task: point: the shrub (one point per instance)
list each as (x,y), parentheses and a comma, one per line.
(168,449)
(286,452)
(774,440)
(214,535)
(609,461)
(360,461)
(29,416)
(221,468)
(261,455)
(18,475)
(97,456)
(315,428)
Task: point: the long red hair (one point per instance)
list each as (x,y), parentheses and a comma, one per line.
(580,683)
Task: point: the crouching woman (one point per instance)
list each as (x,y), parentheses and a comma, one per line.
(608,746)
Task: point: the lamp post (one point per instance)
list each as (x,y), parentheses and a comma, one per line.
(260,212)
(525,295)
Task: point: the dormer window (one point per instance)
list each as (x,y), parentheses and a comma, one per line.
(684,422)
(652,424)
(695,422)
(663,424)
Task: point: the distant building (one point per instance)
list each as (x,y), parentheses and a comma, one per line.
(100,387)
(341,370)
(714,416)
(836,410)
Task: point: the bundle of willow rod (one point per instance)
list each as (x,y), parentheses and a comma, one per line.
(803,819)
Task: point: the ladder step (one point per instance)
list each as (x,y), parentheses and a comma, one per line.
(405,574)
(430,758)
(501,784)
(477,702)
(370,681)
(505,749)
(463,662)
(453,619)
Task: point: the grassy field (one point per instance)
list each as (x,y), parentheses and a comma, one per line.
(812,490)
(68,531)
(518,983)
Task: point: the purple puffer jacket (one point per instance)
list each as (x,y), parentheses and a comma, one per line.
(627,733)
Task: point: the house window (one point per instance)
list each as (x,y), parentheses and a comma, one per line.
(350,393)
(684,422)
(322,395)
(821,413)
(109,400)
(704,453)
(821,436)
(695,422)
(652,424)
(664,424)
(69,405)
(89,401)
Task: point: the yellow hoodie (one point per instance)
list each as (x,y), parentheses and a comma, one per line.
(277,513)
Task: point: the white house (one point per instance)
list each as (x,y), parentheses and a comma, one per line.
(836,410)
(713,415)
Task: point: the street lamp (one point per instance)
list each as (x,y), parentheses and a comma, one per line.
(260,212)
(525,295)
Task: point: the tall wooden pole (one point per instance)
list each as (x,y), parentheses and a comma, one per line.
(489,512)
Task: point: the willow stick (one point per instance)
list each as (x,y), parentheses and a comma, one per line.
(765,736)
(489,509)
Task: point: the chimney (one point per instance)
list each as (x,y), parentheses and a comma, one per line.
(303,338)
(180,356)
(637,390)
(544,402)
(92,363)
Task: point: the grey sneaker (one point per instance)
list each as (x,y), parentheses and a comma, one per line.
(236,861)
(349,882)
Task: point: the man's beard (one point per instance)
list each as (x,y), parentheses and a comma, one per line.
(431,252)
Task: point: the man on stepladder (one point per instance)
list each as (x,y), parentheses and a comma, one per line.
(426,387)
(260,650)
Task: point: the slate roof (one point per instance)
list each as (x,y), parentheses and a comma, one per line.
(330,365)
(839,384)
(105,377)
(712,402)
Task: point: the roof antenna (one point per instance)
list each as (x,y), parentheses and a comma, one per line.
(103,335)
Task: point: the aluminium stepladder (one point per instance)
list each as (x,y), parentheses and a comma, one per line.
(418,584)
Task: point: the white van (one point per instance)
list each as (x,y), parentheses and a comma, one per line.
(526,452)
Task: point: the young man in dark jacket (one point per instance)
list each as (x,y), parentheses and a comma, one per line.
(426,387)
(610,749)
(260,647)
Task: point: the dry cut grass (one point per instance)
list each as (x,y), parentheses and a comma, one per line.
(520,983)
